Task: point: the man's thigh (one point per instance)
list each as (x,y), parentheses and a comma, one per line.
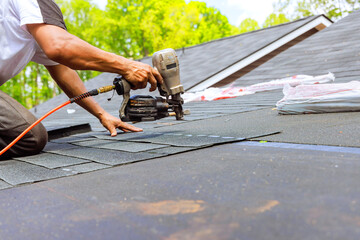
(14,119)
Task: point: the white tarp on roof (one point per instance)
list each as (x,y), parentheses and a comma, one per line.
(213,94)
(325,98)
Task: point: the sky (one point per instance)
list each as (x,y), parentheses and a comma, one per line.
(234,10)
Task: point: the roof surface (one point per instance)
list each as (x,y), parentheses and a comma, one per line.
(205,178)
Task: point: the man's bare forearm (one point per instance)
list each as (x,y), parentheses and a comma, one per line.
(71,51)
(70,82)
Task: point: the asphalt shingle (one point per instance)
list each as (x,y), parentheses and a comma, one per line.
(16,172)
(180,139)
(51,161)
(4,185)
(291,192)
(108,157)
(84,168)
(120,145)
(171,150)
(53,147)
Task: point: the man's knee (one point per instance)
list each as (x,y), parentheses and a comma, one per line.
(32,143)
(14,120)
(40,138)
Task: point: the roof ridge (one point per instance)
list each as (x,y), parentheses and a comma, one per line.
(242,34)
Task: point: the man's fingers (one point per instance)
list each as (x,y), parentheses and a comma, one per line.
(125,126)
(153,83)
(142,74)
(124,130)
(143,84)
(112,123)
(112,131)
(157,76)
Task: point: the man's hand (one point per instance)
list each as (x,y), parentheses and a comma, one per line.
(111,123)
(139,74)
(71,84)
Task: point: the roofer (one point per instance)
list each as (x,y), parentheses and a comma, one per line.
(34,30)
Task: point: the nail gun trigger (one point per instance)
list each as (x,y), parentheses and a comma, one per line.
(109,99)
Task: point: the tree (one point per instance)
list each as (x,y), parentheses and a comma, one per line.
(31,86)
(334,9)
(275,19)
(248,25)
(145,26)
(86,21)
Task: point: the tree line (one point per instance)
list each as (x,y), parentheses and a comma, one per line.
(137,28)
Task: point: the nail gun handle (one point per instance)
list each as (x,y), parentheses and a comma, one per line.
(162,88)
(123,88)
(121,85)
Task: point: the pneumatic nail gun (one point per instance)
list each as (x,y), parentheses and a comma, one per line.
(140,108)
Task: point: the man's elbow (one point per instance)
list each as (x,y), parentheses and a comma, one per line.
(56,51)
(53,53)
(60,49)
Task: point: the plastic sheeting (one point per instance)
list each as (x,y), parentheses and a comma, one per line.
(213,94)
(325,98)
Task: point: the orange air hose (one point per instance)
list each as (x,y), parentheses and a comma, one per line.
(32,126)
(72,100)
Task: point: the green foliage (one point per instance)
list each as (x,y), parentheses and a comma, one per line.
(248,25)
(334,9)
(142,27)
(31,86)
(275,19)
(84,19)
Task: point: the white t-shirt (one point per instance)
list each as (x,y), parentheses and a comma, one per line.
(17,45)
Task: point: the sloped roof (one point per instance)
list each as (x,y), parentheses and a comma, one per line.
(204,127)
(335,49)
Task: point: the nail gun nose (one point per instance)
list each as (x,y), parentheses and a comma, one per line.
(186,112)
